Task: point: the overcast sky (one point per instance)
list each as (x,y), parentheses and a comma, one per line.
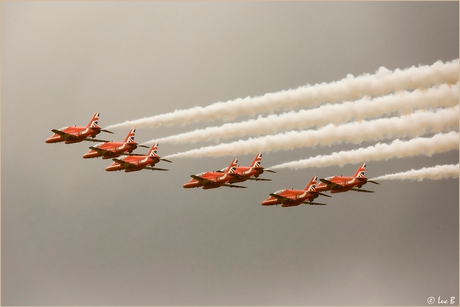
(74,234)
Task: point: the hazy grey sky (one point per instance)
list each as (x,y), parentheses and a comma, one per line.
(74,234)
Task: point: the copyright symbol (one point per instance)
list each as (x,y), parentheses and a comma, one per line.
(430,300)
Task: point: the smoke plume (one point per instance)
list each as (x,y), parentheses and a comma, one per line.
(433,173)
(413,125)
(441,142)
(383,82)
(366,108)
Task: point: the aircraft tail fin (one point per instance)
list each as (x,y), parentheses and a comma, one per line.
(232,167)
(257,161)
(311,187)
(130,137)
(94,120)
(153,150)
(360,172)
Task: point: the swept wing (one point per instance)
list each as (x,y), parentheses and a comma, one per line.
(204,181)
(331,184)
(248,178)
(156,168)
(66,135)
(361,190)
(101,151)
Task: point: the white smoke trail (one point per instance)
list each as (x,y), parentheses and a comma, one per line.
(434,173)
(412,125)
(382,82)
(439,143)
(365,108)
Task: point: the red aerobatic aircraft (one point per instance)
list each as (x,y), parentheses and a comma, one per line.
(337,184)
(113,149)
(243,173)
(211,180)
(289,198)
(138,162)
(77,134)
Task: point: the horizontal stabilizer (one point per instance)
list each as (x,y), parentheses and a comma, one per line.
(166,160)
(108,131)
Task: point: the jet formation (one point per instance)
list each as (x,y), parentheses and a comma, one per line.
(226,177)
(108,149)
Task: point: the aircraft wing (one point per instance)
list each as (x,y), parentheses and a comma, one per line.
(95,140)
(330,184)
(312,203)
(201,179)
(233,186)
(100,151)
(66,135)
(258,179)
(361,190)
(124,163)
(238,176)
(206,181)
(281,198)
(155,168)
(62,133)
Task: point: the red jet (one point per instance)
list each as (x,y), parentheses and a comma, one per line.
(76,134)
(249,173)
(136,162)
(113,149)
(289,198)
(211,180)
(337,184)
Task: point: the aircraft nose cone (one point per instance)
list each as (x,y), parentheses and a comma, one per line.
(90,154)
(268,202)
(52,139)
(112,167)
